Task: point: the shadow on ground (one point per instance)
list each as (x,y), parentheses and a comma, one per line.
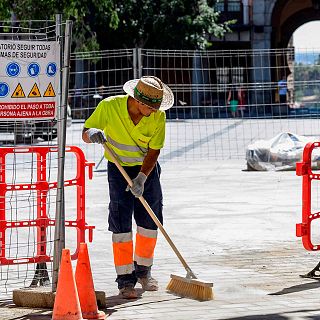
(120,303)
(6,303)
(283,316)
(36,315)
(297,288)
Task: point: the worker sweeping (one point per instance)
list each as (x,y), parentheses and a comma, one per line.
(133,127)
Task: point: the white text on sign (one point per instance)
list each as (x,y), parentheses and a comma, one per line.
(43,110)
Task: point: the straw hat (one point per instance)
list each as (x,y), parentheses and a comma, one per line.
(150,91)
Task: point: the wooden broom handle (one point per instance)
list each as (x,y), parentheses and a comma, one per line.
(151,213)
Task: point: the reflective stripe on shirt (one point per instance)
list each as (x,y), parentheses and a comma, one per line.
(130,159)
(126,147)
(127,159)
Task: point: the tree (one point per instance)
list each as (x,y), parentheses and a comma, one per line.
(5,11)
(88,16)
(170,24)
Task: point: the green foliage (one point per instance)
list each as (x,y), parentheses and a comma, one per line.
(88,16)
(182,24)
(5,11)
(171,24)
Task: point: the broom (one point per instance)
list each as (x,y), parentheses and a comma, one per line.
(189,286)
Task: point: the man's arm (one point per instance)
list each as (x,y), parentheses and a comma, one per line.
(150,161)
(85,137)
(229,97)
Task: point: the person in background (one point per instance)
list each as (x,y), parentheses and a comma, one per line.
(241,101)
(233,101)
(133,126)
(282,90)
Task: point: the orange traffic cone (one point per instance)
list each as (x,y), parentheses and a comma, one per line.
(66,304)
(85,286)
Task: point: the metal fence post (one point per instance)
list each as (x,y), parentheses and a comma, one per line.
(135,67)
(140,73)
(59,238)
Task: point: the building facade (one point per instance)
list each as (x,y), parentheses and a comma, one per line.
(264,24)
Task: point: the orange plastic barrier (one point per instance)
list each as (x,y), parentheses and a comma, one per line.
(304,169)
(42,187)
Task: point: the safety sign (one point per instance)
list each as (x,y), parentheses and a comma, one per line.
(49,91)
(33,69)
(51,69)
(29,79)
(34,92)
(4,89)
(13,69)
(18,92)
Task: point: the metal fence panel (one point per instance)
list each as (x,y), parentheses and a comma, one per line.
(201,119)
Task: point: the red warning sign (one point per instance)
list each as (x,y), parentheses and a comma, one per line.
(27,110)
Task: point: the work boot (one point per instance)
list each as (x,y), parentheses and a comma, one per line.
(148,283)
(128,292)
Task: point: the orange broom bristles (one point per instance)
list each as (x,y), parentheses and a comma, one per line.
(191,288)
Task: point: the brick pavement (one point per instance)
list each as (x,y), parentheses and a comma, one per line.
(234,228)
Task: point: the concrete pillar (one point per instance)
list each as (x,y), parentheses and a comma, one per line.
(245,4)
(199,79)
(261,59)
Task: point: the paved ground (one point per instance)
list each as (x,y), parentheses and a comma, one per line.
(235,228)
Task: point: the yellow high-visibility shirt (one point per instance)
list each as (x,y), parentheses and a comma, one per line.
(128,141)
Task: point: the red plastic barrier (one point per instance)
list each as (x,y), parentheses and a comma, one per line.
(42,187)
(304,169)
